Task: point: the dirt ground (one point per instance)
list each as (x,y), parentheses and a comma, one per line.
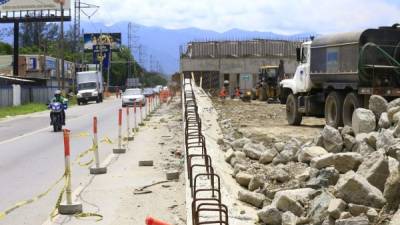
(261,120)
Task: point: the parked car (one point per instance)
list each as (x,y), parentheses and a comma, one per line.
(130,96)
(147,92)
(157,89)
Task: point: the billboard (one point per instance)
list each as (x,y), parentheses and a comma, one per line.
(112,39)
(24,5)
(104,50)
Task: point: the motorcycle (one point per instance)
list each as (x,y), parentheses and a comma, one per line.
(56,115)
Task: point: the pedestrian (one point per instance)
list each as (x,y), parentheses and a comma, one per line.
(222,94)
(237,92)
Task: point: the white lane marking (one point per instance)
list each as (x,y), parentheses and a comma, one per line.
(37,131)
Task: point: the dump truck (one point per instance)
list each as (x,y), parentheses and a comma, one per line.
(269,78)
(338,73)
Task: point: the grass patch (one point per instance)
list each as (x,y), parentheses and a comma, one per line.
(22,110)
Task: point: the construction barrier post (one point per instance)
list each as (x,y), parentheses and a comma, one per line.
(141,112)
(119,150)
(151,221)
(134,118)
(128,127)
(96,169)
(68,207)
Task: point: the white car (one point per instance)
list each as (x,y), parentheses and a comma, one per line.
(130,96)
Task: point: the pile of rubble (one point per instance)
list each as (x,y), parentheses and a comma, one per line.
(344,176)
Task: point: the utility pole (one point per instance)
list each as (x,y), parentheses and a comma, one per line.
(130,49)
(62,47)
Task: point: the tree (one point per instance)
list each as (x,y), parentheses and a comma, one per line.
(5,49)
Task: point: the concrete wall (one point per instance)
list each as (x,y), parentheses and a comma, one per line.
(248,65)
(234,66)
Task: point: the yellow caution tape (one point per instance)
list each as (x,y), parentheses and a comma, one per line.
(29,201)
(83,154)
(106,140)
(83,215)
(81,134)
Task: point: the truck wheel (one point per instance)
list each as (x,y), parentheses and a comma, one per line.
(351,103)
(79,102)
(333,109)
(292,112)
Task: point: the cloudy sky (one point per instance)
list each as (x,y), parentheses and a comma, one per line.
(281,16)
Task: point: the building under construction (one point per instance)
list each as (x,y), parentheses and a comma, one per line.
(238,62)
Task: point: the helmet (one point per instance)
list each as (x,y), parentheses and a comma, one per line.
(57,93)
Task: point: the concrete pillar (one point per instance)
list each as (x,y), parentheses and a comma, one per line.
(16,95)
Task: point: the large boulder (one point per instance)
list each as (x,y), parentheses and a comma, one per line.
(270,215)
(267,156)
(252,198)
(318,209)
(359,220)
(229,155)
(243,179)
(392,190)
(253,151)
(343,162)
(332,139)
(375,168)
(378,105)
(354,188)
(307,154)
(384,121)
(287,203)
(363,121)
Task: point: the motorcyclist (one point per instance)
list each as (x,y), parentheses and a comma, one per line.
(60,99)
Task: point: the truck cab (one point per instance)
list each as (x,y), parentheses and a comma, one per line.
(301,81)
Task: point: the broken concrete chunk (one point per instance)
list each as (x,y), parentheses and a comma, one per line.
(307,154)
(286,203)
(357,210)
(253,151)
(279,174)
(318,209)
(392,190)
(343,162)
(375,168)
(239,143)
(332,139)
(360,220)
(323,178)
(384,121)
(255,183)
(392,111)
(279,146)
(378,105)
(349,142)
(363,121)
(229,155)
(243,179)
(288,218)
(252,198)
(336,207)
(270,215)
(354,188)
(267,156)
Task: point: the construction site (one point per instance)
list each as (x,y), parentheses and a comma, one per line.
(269,129)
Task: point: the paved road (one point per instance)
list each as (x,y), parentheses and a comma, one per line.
(31,156)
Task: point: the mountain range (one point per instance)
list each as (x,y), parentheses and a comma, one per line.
(160,46)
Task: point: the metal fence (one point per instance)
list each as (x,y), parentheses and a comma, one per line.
(6,96)
(29,94)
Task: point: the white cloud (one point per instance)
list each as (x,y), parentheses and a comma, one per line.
(282,16)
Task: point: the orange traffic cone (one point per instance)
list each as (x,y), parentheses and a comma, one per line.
(151,221)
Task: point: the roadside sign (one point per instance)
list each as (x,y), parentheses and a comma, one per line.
(104,56)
